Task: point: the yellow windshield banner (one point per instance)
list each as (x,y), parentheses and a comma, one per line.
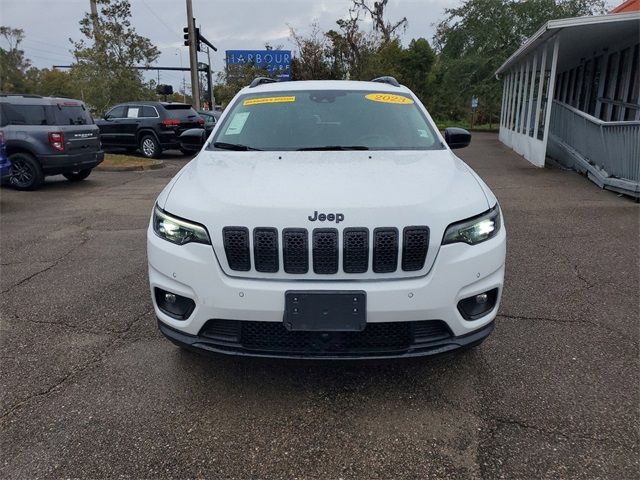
(258,101)
(389,98)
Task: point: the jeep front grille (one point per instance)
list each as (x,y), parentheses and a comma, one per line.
(360,252)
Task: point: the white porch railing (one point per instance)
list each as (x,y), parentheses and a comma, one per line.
(609,152)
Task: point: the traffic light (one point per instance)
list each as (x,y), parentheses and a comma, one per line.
(196,39)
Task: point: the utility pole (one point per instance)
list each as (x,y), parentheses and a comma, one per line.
(212,100)
(94,19)
(193,56)
(94,13)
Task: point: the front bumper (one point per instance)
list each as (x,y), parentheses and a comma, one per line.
(425,340)
(193,271)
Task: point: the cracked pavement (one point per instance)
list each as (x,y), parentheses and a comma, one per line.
(89,388)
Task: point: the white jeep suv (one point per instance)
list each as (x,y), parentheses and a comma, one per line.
(327,219)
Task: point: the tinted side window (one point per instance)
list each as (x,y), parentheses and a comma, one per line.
(116,112)
(180,111)
(26,115)
(148,111)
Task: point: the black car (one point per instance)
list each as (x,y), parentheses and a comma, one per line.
(48,136)
(150,127)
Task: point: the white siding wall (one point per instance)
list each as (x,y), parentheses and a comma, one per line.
(527,98)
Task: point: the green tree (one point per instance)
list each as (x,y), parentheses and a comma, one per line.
(475,38)
(13,64)
(233,79)
(106,56)
(51,83)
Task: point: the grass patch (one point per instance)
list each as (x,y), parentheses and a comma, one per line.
(126,162)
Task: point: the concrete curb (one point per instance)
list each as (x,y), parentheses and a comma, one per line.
(155,165)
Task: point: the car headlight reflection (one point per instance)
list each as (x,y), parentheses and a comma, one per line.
(177,230)
(474,230)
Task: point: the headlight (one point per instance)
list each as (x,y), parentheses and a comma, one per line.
(475,230)
(178,231)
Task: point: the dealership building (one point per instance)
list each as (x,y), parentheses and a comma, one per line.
(571,93)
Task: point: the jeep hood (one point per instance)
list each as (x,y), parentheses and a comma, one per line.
(282,189)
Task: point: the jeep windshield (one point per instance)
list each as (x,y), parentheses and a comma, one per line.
(325,120)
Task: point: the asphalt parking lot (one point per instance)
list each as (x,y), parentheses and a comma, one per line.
(89,388)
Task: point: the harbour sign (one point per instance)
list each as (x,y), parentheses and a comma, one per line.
(275,61)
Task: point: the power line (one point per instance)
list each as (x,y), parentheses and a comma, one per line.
(30,47)
(144,2)
(31,39)
(40,57)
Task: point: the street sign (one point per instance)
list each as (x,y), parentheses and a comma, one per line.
(474,102)
(275,61)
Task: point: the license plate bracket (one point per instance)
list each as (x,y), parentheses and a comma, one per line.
(325,311)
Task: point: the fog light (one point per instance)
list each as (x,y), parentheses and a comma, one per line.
(482,298)
(477,306)
(174,305)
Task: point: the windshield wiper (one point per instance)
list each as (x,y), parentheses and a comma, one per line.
(335,147)
(232,146)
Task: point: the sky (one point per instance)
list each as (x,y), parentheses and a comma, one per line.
(229,25)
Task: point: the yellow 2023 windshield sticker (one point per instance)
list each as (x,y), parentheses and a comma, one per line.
(258,101)
(389,98)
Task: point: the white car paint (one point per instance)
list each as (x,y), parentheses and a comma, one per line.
(370,188)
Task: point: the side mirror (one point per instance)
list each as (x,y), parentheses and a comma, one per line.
(457,137)
(106,117)
(193,139)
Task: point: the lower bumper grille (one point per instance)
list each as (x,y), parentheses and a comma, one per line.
(376,338)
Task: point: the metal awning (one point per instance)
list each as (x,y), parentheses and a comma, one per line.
(578,35)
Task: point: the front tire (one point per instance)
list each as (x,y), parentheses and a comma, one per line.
(149,147)
(77,176)
(26,172)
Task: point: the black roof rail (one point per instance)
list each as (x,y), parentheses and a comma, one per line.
(260,80)
(24,95)
(389,80)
